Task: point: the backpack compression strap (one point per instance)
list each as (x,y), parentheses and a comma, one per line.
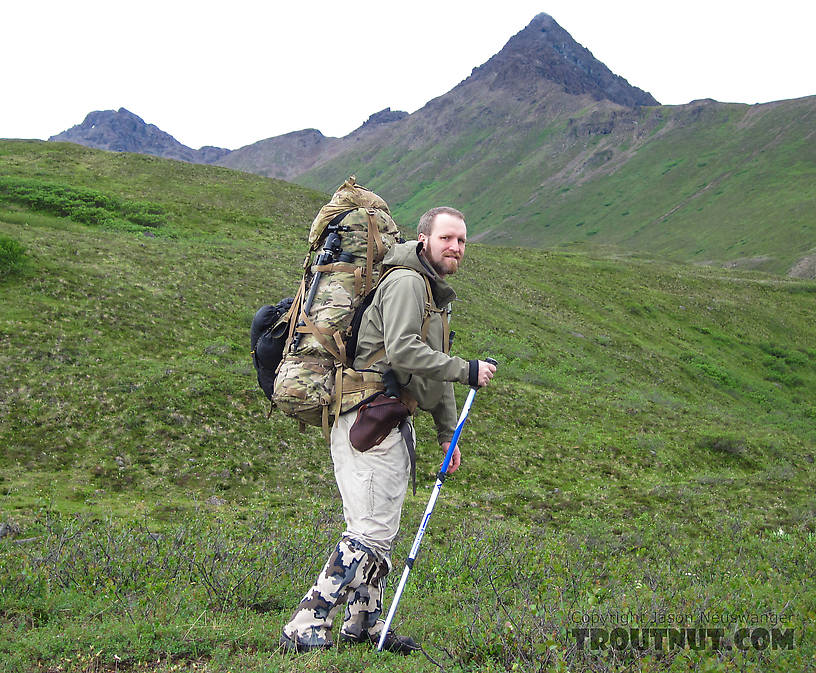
(374,241)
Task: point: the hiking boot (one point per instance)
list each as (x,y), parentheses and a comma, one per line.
(294,645)
(392,643)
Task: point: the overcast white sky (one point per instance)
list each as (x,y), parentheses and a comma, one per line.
(230,73)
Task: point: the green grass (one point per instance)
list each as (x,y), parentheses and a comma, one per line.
(647,446)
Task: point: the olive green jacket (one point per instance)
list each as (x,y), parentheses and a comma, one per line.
(394,322)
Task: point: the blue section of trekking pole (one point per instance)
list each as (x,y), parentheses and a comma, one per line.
(440,479)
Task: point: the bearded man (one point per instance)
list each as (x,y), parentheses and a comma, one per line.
(403,333)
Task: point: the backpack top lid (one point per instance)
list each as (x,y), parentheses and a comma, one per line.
(348,196)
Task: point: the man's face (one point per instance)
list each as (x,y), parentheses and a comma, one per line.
(444,247)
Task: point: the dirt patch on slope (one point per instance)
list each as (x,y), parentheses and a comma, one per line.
(805,267)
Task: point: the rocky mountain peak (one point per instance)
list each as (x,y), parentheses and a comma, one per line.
(545,51)
(122,131)
(121,117)
(385,116)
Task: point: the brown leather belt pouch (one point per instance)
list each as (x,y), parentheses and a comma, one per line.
(375,419)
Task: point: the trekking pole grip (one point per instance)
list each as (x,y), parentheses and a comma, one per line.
(490,361)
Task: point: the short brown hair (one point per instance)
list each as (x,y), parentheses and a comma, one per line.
(425,225)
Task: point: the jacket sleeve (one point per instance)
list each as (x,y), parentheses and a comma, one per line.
(402,303)
(444,415)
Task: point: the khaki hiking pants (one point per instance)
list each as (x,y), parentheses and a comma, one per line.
(372,485)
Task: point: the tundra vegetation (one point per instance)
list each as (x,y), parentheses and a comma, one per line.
(644,459)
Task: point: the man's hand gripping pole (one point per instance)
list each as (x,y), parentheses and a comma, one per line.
(440,479)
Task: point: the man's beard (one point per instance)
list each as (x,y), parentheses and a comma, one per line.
(445,266)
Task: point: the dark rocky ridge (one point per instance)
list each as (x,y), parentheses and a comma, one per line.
(544,50)
(385,116)
(122,131)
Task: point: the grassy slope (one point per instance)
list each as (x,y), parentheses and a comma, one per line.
(736,181)
(651,431)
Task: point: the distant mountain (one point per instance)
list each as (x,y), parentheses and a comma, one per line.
(281,157)
(289,155)
(545,52)
(540,72)
(122,131)
(543,145)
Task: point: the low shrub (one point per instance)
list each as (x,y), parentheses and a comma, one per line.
(80,204)
(734,446)
(12,256)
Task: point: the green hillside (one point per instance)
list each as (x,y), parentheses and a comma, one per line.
(647,447)
(706,182)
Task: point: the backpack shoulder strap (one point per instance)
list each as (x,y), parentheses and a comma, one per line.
(430,308)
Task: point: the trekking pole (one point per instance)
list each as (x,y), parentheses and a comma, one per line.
(440,479)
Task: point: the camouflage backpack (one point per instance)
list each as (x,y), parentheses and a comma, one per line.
(347,242)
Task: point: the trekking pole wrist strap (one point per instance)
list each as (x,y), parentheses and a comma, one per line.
(473,373)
